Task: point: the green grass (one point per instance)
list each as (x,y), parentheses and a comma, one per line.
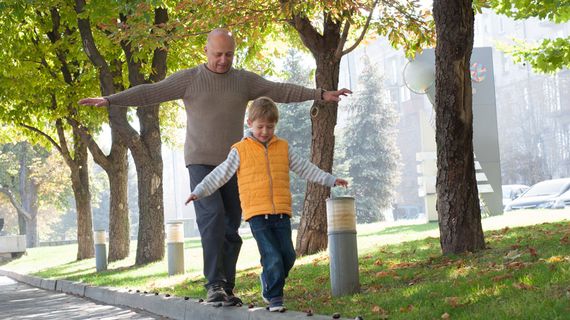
(524,274)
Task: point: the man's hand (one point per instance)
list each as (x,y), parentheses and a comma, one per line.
(340,182)
(191,198)
(98,102)
(334,96)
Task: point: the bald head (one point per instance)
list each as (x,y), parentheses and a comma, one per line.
(220,33)
(219,50)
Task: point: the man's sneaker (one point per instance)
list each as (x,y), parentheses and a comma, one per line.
(276,305)
(216,294)
(263,289)
(232,299)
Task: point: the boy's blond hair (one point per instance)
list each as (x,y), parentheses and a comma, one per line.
(263,108)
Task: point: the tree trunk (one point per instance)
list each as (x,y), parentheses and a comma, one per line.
(457,195)
(116,163)
(82,193)
(151,209)
(147,154)
(29,199)
(119,226)
(312,233)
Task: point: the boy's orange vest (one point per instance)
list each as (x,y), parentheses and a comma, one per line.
(263,177)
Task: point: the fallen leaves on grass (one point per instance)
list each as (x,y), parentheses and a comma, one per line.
(515,265)
(445,316)
(406,309)
(383,314)
(404,265)
(384,274)
(523,286)
(532,252)
(501,277)
(452,301)
(556,259)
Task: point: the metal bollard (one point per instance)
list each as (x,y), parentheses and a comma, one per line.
(175,240)
(343,254)
(100,250)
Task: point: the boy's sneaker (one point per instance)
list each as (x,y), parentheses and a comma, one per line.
(263,289)
(216,294)
(232,299)
(276,305)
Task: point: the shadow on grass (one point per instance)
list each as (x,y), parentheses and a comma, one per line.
(196,243)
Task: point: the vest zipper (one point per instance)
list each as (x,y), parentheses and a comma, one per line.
(270,179)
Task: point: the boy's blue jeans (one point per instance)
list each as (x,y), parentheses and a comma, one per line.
(273,237)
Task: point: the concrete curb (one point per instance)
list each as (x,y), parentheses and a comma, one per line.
(170,307)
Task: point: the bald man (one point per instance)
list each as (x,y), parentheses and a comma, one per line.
(215,96)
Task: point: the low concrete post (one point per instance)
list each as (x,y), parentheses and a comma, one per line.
(343,253)
(100,250)
(175,240)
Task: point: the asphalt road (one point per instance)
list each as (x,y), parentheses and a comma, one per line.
(22,301)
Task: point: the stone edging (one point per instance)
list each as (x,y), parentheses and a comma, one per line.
(170,307)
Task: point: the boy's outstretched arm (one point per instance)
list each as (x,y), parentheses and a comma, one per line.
(217,178)
(306,170)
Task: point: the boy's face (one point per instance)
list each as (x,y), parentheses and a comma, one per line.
(262,130)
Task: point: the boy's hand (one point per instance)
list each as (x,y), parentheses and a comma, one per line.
(191,198)
(98,102)
(340,182)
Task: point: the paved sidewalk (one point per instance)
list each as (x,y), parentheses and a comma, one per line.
(22,301)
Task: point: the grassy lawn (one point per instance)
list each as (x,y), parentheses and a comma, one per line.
(524,273)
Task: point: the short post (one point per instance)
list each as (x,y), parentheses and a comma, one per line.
(175,240)
(100,250)
(343,254)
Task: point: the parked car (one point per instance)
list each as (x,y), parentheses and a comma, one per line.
(512,191)
(542,195)
(563,201)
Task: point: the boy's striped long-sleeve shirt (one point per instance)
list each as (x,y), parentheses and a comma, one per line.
(222,173)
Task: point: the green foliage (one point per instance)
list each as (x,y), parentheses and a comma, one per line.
(550,55)
(43,168)
(370,141)
(43,69)
(557,11)
(406,26)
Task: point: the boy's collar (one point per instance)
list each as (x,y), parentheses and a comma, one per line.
(249,135)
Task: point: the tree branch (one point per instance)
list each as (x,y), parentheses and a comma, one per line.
(15,203)
(98,155)
(90,48)
(363,33)
(338,52)
(64,149)
(43,134)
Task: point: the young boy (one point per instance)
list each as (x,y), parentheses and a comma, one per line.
(262,162)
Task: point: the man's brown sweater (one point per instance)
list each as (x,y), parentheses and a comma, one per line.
(215,105)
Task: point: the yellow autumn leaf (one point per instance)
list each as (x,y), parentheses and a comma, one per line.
(555,259)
